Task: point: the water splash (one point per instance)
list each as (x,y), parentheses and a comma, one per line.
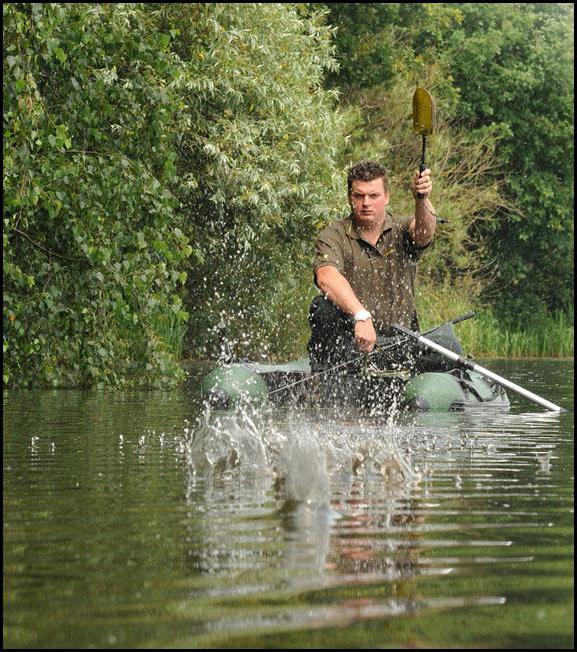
(227,441)
(302,464)
(306,454)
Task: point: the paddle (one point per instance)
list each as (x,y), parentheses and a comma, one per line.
(468,364)
(423,120)
(424,113)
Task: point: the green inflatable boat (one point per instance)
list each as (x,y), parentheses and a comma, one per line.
(433,375)
(294,383)
(378,381)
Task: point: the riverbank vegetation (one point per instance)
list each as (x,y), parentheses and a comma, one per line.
(166,167)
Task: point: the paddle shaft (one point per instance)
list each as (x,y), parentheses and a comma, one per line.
(480,370)
(423,166)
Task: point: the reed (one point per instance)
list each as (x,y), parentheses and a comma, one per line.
(550,335)
(285,330)
(171,329)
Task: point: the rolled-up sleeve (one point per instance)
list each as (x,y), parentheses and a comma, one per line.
(413,251)
(328,250)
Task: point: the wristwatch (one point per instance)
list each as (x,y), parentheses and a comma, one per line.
(362,315)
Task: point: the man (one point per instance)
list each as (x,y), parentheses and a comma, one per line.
(365,267)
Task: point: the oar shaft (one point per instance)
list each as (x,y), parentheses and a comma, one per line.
(520,390)
(423,166)
(481,370)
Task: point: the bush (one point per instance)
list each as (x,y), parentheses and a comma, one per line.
(93,249)
(137,135)
(258,167)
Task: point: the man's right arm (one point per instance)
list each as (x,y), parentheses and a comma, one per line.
(338,290)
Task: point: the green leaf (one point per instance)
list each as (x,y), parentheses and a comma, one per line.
(60,55)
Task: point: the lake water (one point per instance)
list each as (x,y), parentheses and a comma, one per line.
(136,520)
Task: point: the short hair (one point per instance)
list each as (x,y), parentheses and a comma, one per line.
(367,171)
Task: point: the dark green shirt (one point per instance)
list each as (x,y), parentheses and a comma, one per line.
(382,276)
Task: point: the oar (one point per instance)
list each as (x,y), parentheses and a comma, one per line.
(468,364)
(424,117)
(423,120)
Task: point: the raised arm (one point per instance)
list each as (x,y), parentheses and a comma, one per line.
(422,228)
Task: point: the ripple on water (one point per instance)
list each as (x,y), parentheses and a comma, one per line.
(175,529)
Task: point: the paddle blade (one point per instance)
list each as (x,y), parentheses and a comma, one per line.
(423,112)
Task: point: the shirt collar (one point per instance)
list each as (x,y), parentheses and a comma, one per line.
(353,232)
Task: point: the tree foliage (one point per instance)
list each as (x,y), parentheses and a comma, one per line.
(93,248)
(258,161)
(136,135)
(513,65)
(505,70)
(167,166)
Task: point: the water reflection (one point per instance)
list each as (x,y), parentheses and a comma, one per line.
(325,503)
(340,495)
(139,521)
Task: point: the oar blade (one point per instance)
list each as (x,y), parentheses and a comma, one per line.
(423,112)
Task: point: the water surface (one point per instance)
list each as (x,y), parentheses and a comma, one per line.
(138,520)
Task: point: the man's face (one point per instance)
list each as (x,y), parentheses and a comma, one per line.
(368,201)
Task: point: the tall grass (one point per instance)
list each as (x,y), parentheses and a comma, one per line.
(485,336)
(550,336)
(482,336)
(172,331)
(284,329)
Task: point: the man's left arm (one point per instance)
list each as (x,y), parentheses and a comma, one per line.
(422,227)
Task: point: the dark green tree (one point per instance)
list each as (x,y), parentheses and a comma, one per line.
(93,249)
(513,66)
(135,136)
(505,69)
